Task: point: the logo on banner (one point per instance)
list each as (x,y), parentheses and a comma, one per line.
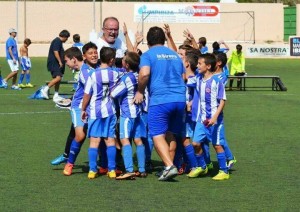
(295,46)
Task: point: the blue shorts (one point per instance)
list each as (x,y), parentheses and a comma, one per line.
(166,117)
(76,117)
(132,128)
(102,128)
(214,134)
(25,63)
(189,127)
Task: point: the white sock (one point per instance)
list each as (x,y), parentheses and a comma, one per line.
(55,93)
(46,88)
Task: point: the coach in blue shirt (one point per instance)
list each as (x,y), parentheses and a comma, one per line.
(161,71)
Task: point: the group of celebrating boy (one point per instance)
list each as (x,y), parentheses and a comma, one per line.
(174,100)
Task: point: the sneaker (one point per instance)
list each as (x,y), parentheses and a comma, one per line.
(15,87)
(210,166)
(68,169)
(195,172)
(4,84)
(92,175)
(118,171)
(102,171)
(158,174)
(60,159)
(57,98)
(111,174)
(21,86)
(126,176)
(221,176)
(44,93)
(231,163)
(29,85)
(168,174)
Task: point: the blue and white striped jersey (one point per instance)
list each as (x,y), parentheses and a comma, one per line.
(99,85)
(78,95)
(125,91)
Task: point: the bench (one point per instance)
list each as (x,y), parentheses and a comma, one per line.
(276,84)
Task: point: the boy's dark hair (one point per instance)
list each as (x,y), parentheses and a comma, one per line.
(87,46)
(239,47)
(106,54)
(202,41)
(64,33)
(27,41)
(192,58)
(216,47)
(74,52)
(222,57)
(210,59)
(185,47)
(156,36)
(76,38)
(133,60)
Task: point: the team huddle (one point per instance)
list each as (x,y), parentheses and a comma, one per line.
(160,98)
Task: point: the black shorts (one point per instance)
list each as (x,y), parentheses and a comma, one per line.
(58,72)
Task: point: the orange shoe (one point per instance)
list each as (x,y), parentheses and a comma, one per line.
(102,171)
(68,169)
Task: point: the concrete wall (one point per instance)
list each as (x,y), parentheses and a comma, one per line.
(44,21)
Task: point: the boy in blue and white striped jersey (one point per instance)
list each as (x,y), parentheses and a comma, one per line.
(131,125)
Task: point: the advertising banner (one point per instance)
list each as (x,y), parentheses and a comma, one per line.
(295,46)
(177,13)
(268,51)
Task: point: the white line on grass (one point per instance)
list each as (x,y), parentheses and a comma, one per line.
(243,94)
(36,112)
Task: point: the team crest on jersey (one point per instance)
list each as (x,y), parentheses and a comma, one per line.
(207,90)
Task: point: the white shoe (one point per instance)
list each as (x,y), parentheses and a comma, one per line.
(57,98)
(44,93)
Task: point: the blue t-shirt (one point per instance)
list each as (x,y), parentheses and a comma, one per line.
(11,42)
(165,84)
(204,50)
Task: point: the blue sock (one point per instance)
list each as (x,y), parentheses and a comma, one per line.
(205,147)
(103,155)
(222,161)
(227,151)
(21,78)
(127,157)
(111,157)
(148,143)
(93,154)
(27,78)
(74,150)
(200,161)
(190,153)
(140,153)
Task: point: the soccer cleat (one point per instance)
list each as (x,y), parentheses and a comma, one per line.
(92,175)
(4,84)
(181,169)
(68,169)
(118,171)
(57,98)
(231,163)
(29,85)
(14,87)
(102,171)
(221,176)
(44,93)
(210,166)
(158,174)
(126,176)
(195,172)
(111,174)
(60,159)
(21,85)
(168,174)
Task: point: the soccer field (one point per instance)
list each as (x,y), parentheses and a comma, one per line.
(262,128)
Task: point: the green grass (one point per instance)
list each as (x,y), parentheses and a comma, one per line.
(262,128)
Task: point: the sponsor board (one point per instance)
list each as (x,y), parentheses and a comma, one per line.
(177,13)
(268,51)
(295,46)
